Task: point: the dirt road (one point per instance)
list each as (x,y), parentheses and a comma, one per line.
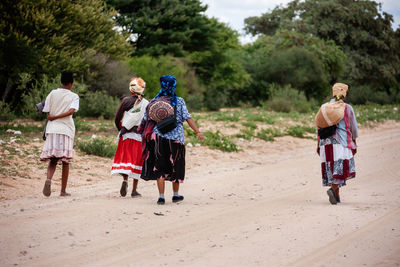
(261,207)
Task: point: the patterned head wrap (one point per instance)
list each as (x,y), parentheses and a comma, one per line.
(137,85)
(339,90)
(168,85)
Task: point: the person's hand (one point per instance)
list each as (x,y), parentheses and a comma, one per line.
(51,118)
(123,131)
(200,136)
(318,151)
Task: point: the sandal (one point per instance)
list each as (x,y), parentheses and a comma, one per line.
(65,194)
(332,196)
(47,188)
(124,188)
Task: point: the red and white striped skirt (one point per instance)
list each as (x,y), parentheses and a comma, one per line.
(128,158)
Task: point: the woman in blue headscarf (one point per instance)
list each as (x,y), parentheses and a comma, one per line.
(164,153)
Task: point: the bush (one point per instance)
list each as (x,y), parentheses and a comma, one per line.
(286,99)
(98,104)
(194,102)
(6,112)
(299,131)
(218,141)
(39,92)
(108,75)
(269,134)
(151,69)
(98,146)
(365,94)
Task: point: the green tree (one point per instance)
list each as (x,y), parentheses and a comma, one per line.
(360,27)
(220,70)
(304,62)
(160,27)
(152,68)
(44,37)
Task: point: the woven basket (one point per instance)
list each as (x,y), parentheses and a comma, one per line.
(159,110)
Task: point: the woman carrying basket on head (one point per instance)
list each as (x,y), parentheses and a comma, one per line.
(128,156)
(337,133)
(164,145)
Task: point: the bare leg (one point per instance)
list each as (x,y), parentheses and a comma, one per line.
(135,183)
(335,188)
(161,189)
(161,185)
(64,178)
(51,168)
(124,185)
(175,187)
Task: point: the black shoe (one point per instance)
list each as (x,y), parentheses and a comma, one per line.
(177,198)
(332,196)
(161,201)
(124,188)
(136,194)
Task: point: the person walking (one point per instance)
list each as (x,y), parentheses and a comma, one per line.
(128,156)
(60,104)
(164,146)
(337,134)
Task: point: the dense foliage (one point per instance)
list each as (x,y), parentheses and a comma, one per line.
(48,36)
(360,28)
(300,51)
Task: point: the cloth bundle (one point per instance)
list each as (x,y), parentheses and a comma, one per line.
(160,109)
(330,114)
(134,116)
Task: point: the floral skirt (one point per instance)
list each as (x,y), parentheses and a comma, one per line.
(164,158)
(337,162)
(128,158)
(58,147)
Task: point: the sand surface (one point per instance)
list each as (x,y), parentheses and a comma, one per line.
(264,206)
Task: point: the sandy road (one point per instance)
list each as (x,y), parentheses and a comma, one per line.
(265,209)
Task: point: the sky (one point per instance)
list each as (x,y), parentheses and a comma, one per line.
(233,12)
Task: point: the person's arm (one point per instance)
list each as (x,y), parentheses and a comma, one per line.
(192,125)
(62,115)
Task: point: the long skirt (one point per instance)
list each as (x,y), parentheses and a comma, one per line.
(164,158)
(128,158)
(337,162)
(58,147)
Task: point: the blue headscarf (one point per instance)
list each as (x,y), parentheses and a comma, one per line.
(168,85)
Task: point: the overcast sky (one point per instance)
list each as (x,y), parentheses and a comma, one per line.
(233,12)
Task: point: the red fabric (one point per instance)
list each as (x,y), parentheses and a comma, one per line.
(129,151)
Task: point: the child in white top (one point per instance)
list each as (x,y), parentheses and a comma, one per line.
(60,104)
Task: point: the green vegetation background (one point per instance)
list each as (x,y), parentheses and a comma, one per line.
(300,51)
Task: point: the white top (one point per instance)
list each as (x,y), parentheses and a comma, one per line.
(131,135)
(57,102)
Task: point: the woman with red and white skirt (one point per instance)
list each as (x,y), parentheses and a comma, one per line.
(128,157)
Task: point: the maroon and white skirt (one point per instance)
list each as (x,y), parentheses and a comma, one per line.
(337,162)
(128,158)
(58,147)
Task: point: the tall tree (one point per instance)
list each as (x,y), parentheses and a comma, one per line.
(160,27)
(303,61)
(43,37)
(360,27)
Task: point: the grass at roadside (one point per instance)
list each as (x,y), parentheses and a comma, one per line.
(222,129)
